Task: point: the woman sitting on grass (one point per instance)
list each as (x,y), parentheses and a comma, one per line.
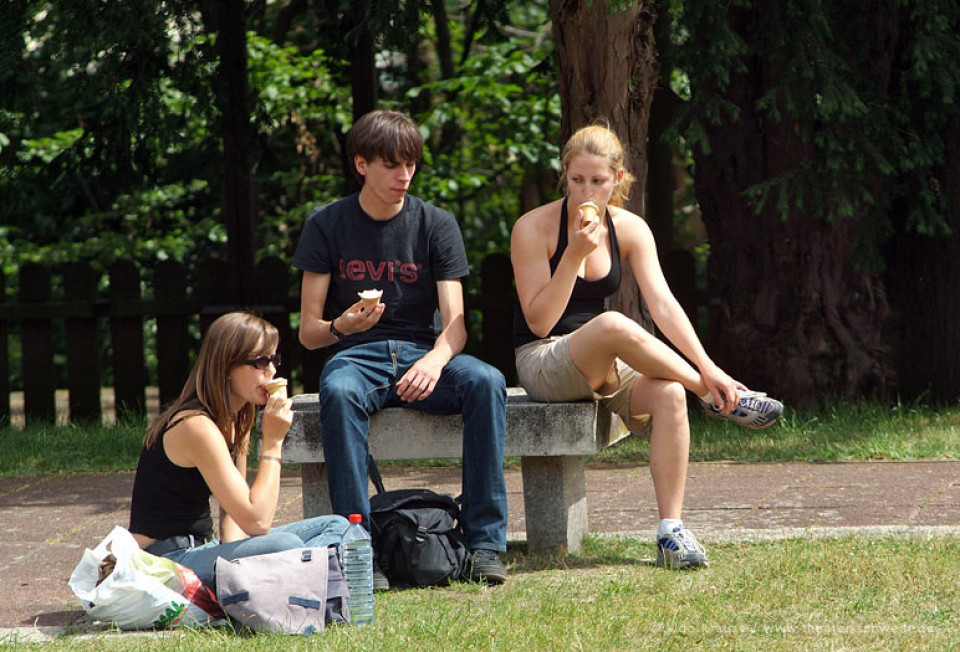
(198,446)
(568,347)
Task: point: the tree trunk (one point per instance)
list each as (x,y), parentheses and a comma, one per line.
(237,192)
(923,277)
(793,315)
(363,69)
(608,71)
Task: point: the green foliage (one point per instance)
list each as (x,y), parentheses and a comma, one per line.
(819,63)
(107,137)
(300,116)
(111,149)
(509,115)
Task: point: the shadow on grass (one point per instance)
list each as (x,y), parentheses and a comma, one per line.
(596,552)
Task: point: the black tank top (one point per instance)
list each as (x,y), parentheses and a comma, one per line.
(586,300)
(169,500)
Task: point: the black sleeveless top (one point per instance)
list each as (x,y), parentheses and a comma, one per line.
(586,300)
(169,500)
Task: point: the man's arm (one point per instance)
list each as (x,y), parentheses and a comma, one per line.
(420,380)
(314,329)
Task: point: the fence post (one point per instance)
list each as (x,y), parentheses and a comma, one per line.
(39,377)
(273,287)
(83,342)
(173,336)
(210,284)
(126,332)
(4,359)
(497,300)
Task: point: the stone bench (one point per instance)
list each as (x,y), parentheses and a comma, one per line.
(552,441)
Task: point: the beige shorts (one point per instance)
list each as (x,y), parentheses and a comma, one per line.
(547,373)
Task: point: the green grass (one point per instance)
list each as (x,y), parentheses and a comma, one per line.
(851,593)
(860,431)
(848,593)
(845,432)
(49,449)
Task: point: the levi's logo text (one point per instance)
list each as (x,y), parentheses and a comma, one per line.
(384,270)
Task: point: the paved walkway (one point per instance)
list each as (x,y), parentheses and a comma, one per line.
(45,523)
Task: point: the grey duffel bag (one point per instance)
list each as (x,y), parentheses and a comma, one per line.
(296,591)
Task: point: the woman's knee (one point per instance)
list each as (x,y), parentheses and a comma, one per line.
(268,543)
(674,394)
(661,398)
(615,326)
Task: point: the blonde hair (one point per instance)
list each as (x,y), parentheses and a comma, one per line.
(598,140)
(231,340)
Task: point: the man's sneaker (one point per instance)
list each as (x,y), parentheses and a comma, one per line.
(680,550)
(755,410)
(485,566)
(380,581)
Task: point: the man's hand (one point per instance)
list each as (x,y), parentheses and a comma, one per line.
(356,319)
(421,379)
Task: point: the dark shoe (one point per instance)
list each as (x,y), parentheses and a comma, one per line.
(485,566)
(380,581)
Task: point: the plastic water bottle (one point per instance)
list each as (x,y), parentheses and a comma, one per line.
(358,571)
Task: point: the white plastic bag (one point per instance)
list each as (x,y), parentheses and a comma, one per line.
(143,591)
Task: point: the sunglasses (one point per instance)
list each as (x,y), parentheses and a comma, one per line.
(263,361)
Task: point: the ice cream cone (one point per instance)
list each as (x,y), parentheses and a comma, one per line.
(589,212)
(370,298)
(277,386)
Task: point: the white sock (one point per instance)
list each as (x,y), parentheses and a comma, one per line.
(707,398)
(668,525)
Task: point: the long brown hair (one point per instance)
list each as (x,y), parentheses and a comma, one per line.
(231,340)
(598,140)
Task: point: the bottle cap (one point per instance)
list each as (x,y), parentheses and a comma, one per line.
(356,518)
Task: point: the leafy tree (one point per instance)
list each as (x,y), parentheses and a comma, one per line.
(107,130)
(112,144)
(817,129)
(607,71)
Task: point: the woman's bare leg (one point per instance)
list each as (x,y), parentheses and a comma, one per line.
(666,402)
(611,335)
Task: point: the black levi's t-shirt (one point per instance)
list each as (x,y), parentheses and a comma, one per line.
(404,256)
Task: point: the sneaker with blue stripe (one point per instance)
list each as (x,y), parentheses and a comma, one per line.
(680,550)
(755,410)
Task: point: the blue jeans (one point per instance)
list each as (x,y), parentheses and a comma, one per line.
(318,532)
(361,380)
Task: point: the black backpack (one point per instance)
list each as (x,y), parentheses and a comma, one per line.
(416,535)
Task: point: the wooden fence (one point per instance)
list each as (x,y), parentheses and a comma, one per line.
(67,326)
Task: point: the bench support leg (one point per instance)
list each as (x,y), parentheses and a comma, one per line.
(554,502)
(316,492)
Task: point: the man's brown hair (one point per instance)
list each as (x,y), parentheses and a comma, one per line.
(389,135)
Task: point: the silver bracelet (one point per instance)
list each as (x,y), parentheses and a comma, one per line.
(271,457)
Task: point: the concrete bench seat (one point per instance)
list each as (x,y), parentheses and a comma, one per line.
(551,439)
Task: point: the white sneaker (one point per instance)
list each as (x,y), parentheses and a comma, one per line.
(680,550)
(755,410)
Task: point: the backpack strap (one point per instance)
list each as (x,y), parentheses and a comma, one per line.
(374,474)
